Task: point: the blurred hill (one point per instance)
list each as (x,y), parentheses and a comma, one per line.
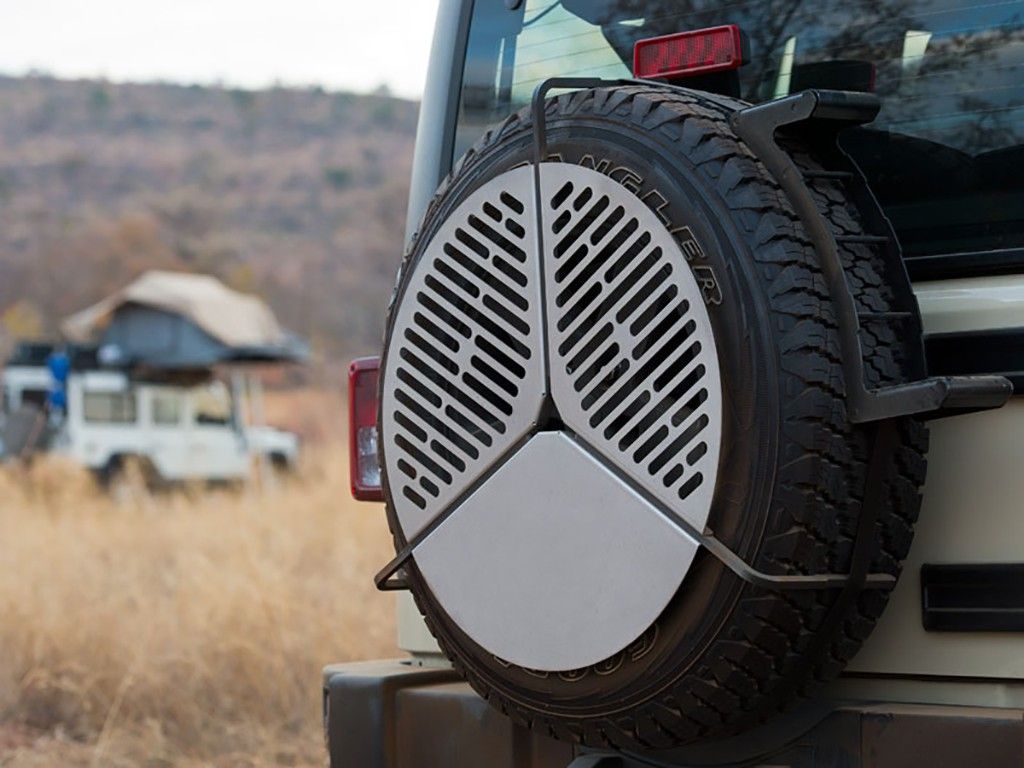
(298,195)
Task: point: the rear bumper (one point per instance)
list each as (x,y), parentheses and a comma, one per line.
(392,714)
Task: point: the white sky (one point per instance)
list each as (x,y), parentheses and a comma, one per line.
(339,44)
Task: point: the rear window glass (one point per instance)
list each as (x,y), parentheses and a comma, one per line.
(945,156)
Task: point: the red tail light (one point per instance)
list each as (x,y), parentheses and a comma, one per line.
(364,467)
(684,54)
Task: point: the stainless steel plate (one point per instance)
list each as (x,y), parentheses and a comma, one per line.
(463,376)
(557,551)
(554,563)
(634,368)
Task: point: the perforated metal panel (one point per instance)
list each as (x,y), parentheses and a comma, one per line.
(634,369)
(463,377)
(553,551)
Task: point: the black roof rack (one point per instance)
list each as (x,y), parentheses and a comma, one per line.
(34,354)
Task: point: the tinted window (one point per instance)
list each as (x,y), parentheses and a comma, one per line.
(945,155)
(109,407)
(36,397)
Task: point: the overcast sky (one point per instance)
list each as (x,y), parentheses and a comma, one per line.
(339,44)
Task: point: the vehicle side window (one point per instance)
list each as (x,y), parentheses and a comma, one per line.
(213,405)
(166,408)
(36,397)
(109,407)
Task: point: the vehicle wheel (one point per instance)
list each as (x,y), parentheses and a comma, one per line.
(126,479)
(282,466)
(695,377)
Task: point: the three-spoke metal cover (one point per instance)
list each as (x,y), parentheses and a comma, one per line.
(552,405)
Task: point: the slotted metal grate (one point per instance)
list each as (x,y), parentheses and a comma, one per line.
(634,369)
(464,368)
(615,337)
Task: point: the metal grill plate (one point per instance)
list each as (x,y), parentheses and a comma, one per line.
(463,377)
(634,368)
(555,550)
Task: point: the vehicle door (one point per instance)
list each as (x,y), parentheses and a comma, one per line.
(167,432)
(216,443)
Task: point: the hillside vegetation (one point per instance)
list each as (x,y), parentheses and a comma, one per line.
(299,195)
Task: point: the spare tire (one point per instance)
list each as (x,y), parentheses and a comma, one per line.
(566,392)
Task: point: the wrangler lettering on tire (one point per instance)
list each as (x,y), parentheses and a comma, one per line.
(579,371)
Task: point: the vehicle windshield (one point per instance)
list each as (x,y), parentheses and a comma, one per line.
(944,157)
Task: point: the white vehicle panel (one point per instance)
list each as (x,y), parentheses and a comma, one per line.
(971,304)
(172,428)
(972,510)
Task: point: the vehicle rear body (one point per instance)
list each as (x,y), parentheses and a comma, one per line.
(946,163)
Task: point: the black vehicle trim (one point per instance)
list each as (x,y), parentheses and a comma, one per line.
(920,677)
(968,353)
(986,597)
(950,266)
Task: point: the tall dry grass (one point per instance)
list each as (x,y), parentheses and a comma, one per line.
(183,629)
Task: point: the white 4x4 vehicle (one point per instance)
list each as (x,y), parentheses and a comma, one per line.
(175,432)
(696,430)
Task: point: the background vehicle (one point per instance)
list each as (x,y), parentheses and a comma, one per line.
(154,375)
(939,680)
(186,627)
(176,432)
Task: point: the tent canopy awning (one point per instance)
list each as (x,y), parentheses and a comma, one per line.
(241,327)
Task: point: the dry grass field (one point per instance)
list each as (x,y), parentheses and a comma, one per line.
(183,629)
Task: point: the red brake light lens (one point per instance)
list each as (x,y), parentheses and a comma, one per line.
(364,466)
(684,54)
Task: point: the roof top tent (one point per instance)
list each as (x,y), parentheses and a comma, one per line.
(174,322)
(177,327)
(164,330)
